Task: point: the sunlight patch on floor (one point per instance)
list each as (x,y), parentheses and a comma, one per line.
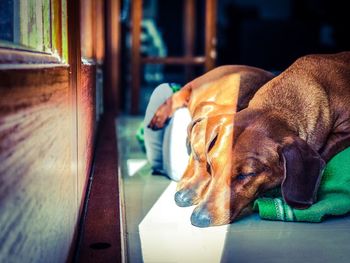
(135,165)
(167,235)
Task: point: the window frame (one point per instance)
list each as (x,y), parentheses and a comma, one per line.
(12,54)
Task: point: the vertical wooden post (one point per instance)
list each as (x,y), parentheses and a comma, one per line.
(136,19)
(93,21)
(100,31)
(56,14)
(74,60)
(87,29)
(210,34)
(112,58)
(189,25)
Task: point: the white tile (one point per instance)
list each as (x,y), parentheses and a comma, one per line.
(135,165)
(167,235)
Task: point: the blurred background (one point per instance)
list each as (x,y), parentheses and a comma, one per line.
(269,34)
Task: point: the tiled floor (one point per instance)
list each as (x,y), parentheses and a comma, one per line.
(159,231)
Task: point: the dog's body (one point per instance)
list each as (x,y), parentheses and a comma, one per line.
(292,125)
(316,100)
(212,100)
(232,86)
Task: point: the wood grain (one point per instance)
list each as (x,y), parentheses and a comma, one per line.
(38,185)
(14,56)
(86,103)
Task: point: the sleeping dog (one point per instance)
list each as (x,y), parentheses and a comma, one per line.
(292,126)
(220,92)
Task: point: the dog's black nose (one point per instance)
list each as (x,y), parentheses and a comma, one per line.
(184,197)
(201,218)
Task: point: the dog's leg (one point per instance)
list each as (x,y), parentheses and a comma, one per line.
(250,80)
(182,98)
(166,110)
(335,144)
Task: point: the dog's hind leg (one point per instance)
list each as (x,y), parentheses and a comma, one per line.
(336,143)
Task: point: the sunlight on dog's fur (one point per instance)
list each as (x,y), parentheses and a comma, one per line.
(265,133)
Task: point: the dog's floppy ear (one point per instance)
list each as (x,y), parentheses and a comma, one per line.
(303,168)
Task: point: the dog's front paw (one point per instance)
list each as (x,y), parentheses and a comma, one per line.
(161,116)
(186,197)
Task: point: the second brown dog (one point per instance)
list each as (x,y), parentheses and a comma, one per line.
(292,126)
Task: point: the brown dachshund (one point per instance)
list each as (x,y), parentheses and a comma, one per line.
(291,127)
(225,85)
(219,92)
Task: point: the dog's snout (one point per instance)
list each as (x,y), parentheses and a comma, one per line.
(201,218)
(184,197)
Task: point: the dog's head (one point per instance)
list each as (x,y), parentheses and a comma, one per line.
(265,154)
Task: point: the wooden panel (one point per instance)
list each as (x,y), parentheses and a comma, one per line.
(8,56)
(74,60)
(86,103)
(38,209)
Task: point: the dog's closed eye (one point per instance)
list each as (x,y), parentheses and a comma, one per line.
(242,176)
(212,142)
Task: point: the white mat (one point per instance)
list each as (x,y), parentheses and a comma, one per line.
(167,235)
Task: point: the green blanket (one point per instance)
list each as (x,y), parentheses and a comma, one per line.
(333,196)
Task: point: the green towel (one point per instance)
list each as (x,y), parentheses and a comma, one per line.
(333,196)
(140,136)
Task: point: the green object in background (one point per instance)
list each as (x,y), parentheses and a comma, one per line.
(140,136)
(175,87)
(333,196)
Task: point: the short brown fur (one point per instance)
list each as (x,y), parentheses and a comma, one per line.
(220,92)
(291,127)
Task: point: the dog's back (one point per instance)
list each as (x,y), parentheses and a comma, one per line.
(313,94)
(235,86)
(333,72)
